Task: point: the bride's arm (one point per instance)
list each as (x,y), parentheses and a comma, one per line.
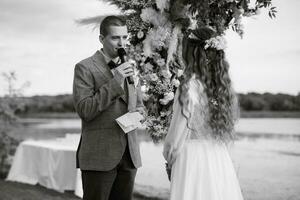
(177,133)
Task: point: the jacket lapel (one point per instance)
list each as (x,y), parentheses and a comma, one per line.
(101,65)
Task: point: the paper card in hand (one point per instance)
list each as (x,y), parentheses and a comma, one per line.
(130,121)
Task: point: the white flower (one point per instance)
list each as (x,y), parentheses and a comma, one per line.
(193,20)
(148,67)
(176,82)
(214,102)
(144,88)
(160,36)
(158,127)
(193,24)
(241,11)
(167,98)
(138,47)
(161,62)
(147,46)
(156,39)
(166,74)
(147,14)
(173,43)
(146,97)
(162,4)
(193,36)
(163,102)
(179,72)
(150,15)
(162,114)
(138,57)
(140,34)
(131,49)
(217,42)
(153,77)
(156,56)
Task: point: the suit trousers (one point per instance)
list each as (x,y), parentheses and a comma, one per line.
(116,184)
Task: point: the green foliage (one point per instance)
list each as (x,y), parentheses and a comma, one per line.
(269,102)
(222,14)
(8,144)
(37,104)
(8,107)
(8,147)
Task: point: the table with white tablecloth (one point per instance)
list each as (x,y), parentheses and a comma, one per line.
(50,163)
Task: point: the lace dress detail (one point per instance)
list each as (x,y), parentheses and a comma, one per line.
(196,109)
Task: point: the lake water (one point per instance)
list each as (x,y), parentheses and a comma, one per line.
(282,126)
(262,163)
(289,126)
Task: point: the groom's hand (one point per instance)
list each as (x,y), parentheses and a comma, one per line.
(141,110)
(123,71)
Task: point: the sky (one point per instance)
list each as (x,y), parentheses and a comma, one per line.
(41,42)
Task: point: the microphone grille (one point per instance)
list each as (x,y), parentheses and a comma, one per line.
(121,52)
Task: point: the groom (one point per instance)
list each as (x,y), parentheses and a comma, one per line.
(108,158)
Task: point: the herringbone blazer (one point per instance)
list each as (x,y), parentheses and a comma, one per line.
(99,100)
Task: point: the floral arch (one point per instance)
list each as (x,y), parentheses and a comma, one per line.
(157,27)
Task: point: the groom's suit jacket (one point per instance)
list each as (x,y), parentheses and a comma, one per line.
(99,100)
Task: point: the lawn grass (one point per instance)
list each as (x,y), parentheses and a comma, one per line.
(19,191)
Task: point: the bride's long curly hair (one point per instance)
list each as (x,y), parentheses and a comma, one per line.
(211,68)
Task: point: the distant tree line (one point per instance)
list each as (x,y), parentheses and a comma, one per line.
(248,102)
(269,102)
(36,104)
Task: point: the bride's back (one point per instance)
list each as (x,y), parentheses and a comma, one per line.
(196,107)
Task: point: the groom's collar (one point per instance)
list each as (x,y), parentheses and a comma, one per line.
(108,59)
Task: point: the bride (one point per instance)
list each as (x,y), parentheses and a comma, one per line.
(204,112)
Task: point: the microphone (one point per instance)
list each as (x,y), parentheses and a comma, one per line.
(122,55)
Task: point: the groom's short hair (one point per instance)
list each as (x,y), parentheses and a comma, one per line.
(108,21)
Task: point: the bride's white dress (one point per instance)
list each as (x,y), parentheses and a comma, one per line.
(202,168)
